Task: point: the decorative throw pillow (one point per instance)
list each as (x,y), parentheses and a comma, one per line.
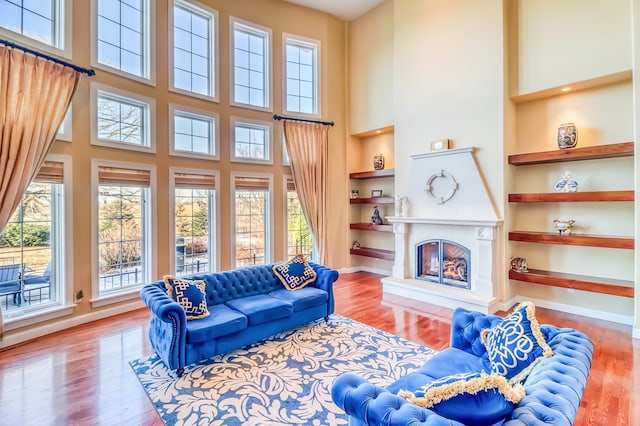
(516,344)
(476,399)
(191,295)
(295,274)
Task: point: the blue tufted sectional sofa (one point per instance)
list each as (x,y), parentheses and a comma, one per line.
(245,305)
(553,388)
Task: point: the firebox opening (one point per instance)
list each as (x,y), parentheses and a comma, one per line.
(443,262)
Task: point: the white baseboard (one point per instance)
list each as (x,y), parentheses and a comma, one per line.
(385,272)
(636,333)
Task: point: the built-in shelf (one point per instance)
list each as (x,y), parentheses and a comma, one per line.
(624,149)
(546,197)
(376,200)
(370,227)
(573,240)
(374,252)
(372,174)
(577,282)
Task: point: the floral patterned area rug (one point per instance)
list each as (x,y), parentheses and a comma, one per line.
(283,380)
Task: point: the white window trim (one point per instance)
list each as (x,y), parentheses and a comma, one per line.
(150,117)
(316,45)
(286,219)
(196,113)
(213,49)
(63,32)
(233,21)
(149,231)
(268,246)
(67,135)
(214,216)
(252,123)
(149,40)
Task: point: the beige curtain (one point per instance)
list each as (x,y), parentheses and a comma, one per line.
(308,148)
(34,96)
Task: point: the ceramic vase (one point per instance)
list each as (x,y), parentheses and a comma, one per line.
(567,135)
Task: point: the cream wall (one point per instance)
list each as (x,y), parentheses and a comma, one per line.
(280,17)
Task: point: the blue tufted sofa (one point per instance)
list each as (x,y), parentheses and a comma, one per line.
(246,305)
(553,389)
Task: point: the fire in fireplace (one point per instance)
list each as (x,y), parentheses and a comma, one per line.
(443,262)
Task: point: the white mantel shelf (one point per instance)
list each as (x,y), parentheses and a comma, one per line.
(430,221)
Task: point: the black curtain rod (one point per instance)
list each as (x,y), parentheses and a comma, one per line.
(304,120)
(87,71)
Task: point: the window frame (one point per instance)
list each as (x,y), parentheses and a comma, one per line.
(255,124)
(149,230)
(148,42)
(285,240)
(268,220)
(214,117)
(63,32)
(267,35)
(202,9)
(214,215)
(148,128)
(67,124)
(316,46)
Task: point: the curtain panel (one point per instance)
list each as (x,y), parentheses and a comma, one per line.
(34,96)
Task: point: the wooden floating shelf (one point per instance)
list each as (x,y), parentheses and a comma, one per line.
(369,227)
(377,200)
(545,197)
(577,282)
(624,149)
(573,240)
(373,252)
(372,174)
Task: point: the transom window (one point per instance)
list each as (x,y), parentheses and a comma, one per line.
(251,63)
(301,74)
(251,220)
(251,141)
(193,48)
(123,36)
(193,131)
(38,20)
(299,236)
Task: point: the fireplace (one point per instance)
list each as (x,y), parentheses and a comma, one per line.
(443,262)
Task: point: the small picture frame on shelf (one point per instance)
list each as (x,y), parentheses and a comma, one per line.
(355,193)
(376,193)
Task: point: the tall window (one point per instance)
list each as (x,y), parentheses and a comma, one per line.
(299,236)
(124,236)
(301,74)
(37,20)
(252,220)
(251,140)
(193,48)
(251,63)
(194,223)
(193,132)
(123,36)
(31,244)
(121,119)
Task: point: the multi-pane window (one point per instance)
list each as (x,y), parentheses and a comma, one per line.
(299,236)
(250,82)
(39,20)
(251,141)
(251,217)
(123,36)
(121,119)
(31,244)
(123,229)
(193,44)
(194,132)
(194,227)
(301,74)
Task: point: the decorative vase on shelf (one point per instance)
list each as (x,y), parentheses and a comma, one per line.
(378,162)
(567,183)
(567,135)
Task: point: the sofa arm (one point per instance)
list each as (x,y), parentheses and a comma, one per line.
(167,326)
(367,404)
(466,327)
(324,281)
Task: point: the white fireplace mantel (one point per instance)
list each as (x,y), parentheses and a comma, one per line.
(455,222)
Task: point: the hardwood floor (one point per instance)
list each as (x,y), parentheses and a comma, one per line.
(81,376)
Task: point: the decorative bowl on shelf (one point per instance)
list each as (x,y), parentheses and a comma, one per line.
(563,226)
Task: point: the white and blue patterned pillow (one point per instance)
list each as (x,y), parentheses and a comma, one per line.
(295,274)
(191,295)
(515,345)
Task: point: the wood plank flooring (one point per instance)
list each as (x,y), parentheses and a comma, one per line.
(81,376)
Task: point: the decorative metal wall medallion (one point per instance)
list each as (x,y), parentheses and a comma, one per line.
(442,186)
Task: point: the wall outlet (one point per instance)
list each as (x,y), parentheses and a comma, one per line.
(78,296)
